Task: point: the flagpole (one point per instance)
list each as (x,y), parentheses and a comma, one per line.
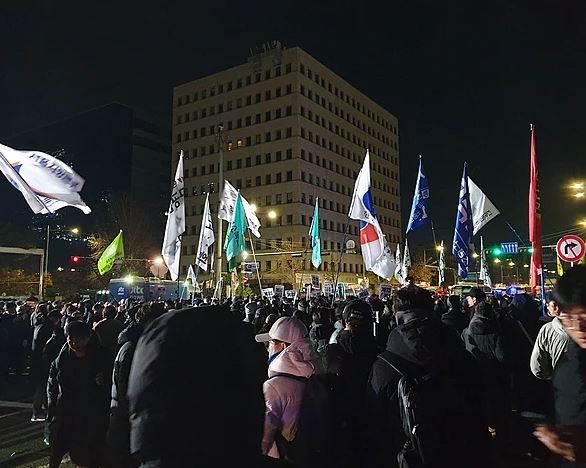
(255,262)
(303,269)
(220,138)
(432,232)
(339,267)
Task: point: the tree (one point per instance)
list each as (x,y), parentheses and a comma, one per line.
(15,282)
(421,273)
(141,241)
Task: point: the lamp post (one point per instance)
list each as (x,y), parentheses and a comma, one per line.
(74,230)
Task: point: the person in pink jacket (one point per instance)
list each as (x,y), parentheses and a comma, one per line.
(290,366)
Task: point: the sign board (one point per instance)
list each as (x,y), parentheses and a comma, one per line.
(341,293)
(363,294)
(571,248)
(386,290)
(289,294)
(328,287)
(268,293)
(510,247)
(251,266)
(279,290)
(315,281)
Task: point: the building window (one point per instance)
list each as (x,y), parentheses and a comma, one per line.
(248,162)
(239,143)
(267,158)
(289,153)
(268,179)
(289,197)
(268,265)
(289,176)
(229,166)
(278,178)
(258,181)
(278,199)
(268,200)
(257,159)
(289,219)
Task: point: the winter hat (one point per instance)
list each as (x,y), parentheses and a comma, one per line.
(478,293)
(286,329)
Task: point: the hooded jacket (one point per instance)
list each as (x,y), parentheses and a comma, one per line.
(569,387)
(417,346)
(483,339)
(552,341)
(284,395)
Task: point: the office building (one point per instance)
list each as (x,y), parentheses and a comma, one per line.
(291,131)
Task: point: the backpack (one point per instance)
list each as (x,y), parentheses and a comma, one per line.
(315,427)
(439,416)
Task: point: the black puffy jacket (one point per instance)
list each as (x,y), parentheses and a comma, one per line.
(195,391)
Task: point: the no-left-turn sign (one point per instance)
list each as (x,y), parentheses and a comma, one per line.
(571,248)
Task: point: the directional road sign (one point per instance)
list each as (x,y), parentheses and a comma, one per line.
(571,248)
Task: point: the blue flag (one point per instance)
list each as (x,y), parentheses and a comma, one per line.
(463,231)
(419,209)
(314,235)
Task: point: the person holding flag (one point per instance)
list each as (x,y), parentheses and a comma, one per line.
(463,229)
(175,223)
(314,235)
(375,250)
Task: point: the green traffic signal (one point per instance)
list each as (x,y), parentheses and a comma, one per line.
(497,251)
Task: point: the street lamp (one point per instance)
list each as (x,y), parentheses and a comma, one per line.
(244,254)
(75,230)
(272,214)
(158,260)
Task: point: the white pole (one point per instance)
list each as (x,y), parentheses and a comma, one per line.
(256,263)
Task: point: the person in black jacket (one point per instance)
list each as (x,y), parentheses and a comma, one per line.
(39,367)
(78,394)
(195,392)
(483,339)
(568,437)
(419,346)
(454,317)
(119,428)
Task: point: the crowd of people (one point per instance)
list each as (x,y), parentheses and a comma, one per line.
(408,381)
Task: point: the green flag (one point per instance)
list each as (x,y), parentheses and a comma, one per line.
(234,244)
(112,253)
(315,239)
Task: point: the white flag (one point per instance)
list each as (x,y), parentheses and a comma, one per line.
(483,210)
(398,265)
(385,266)
(191,275)
(175,223)
(484,273)
(406,263)
(441,265)
(226,210)
(206,237)
(46,183)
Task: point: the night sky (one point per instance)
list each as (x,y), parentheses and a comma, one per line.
(465,80)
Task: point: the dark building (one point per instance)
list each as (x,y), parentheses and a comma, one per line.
(120,152)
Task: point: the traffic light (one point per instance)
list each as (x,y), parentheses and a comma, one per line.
(74,260)
(497,251)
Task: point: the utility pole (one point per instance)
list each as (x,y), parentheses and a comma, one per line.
(220,239)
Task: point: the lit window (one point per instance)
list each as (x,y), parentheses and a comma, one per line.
(239,143)
(229,146)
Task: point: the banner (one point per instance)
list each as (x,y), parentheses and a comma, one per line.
(419,208)
(534,217)
(228,203)
(463,229)
(206,237)
(175,227)
(46,183)
(483,210)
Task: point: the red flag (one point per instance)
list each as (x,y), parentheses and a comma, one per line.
(534,218)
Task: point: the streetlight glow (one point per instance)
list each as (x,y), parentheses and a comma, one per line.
(128,279)
(497,260)
(75,230)
(253,207)
(158,260)
(475,255)
(577,185)
(272,214)
(439,248)
(244,254)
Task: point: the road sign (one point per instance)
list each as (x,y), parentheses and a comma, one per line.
(510,247)
(571,248)
(251,266)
